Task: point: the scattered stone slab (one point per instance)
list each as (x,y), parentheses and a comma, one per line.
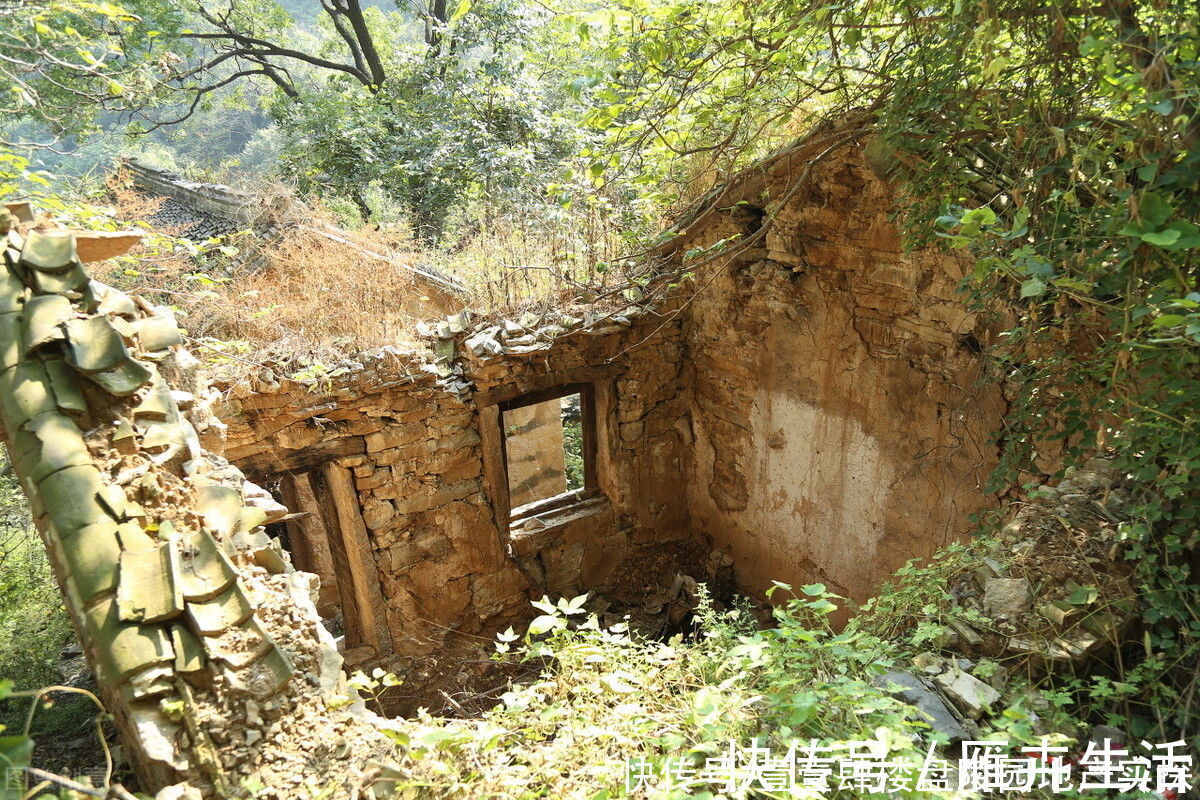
(929,663)
(969,693)
(916,692)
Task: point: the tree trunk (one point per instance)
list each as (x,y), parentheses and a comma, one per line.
(206,643)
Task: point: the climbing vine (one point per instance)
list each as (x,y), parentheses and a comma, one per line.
(1060,144)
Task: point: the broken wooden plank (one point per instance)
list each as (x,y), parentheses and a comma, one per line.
(353,622)
(309,539)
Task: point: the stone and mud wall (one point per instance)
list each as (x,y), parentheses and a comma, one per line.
(809,408)
(841,422)
(814,410)
(397,472)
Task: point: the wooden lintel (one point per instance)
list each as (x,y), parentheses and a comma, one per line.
(589,374)
(278,460)
(495,473)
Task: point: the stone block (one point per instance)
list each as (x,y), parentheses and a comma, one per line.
(372,478)
(433,546)
(631,431)
(396,436)
(497,590)
(378,513)
(969,693)
(1007,597)
(464,438)
(432,496)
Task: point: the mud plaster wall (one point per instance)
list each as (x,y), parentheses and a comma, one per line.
(442,562)
(841,426)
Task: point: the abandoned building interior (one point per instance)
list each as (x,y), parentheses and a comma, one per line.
(811,412)
(804,404)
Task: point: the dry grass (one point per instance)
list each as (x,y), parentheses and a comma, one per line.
(301,297)
(297,294)
(514,264)
(322,293)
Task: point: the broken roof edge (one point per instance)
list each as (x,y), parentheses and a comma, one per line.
(140,169)
(234,204)
(450,341)
(495,336)
(748,184)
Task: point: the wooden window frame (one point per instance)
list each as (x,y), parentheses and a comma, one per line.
(591,486)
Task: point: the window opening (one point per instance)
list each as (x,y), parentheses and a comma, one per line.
(547,443)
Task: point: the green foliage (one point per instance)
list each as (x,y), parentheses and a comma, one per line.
(66,62)
(573,452)
(605,695)
(465,117)
(915,604)
(34,625)
(1060,145)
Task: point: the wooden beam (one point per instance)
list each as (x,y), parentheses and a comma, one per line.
(360,558)
(587,410)
(502,394)
(353,623)
(495,471)
(312,457)
(309,538)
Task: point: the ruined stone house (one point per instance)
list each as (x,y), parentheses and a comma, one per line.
(809,409)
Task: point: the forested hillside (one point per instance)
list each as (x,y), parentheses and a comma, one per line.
(551,156)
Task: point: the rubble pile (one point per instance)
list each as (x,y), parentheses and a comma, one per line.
(1054,593)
